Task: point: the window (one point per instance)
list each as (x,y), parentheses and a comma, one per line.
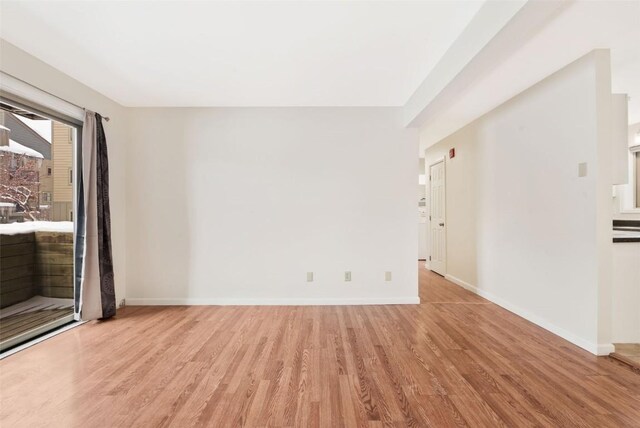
(70,176)
(46,196)
(631,193)
(48,171)
(634,171)
(637,173)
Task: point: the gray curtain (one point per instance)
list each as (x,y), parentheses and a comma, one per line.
(94,263)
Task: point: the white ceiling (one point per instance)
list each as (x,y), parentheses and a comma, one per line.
(237,53)
(324,53)
(575,31)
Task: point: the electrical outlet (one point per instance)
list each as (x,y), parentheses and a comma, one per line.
(347,276)
(387,276)
(122,303)
(309,276)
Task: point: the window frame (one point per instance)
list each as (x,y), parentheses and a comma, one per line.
(634,153)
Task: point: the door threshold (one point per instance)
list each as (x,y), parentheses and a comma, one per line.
(635,365)
(38,335)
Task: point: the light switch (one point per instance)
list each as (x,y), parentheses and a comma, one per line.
(309,276)
(387,276)
(582,169)
(347,276)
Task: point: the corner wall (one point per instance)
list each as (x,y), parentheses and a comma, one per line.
(236,205)
(522,228)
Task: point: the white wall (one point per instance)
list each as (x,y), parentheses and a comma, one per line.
(523,229)
(235,205)
(24,66)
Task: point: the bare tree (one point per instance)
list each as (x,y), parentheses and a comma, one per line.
(20,182)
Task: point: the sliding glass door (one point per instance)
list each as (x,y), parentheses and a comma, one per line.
(37,200)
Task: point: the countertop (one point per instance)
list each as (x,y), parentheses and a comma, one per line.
(626,230)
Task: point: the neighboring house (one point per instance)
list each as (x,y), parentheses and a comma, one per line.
(62,151)
(24,134)
(55,172)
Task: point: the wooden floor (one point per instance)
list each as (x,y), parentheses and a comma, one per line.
(454,360)
(628,353)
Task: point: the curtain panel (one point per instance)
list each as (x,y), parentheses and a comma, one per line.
(95,292)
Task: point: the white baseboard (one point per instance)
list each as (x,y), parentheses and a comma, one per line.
(605,349)
(461,283)
(596,349)
(143,301)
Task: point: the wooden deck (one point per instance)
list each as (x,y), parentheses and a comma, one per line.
(22,318)
(454,360)
(36,263)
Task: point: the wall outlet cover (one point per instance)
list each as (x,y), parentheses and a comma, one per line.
(582,169)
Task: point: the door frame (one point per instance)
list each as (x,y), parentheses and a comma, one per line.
(30,337)
(442,159)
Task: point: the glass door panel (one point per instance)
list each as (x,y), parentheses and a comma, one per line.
(36,224)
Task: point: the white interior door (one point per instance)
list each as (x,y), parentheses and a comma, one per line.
(437,227)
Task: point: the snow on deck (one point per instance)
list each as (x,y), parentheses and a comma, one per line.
(36,226)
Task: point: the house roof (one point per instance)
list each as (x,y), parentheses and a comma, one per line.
(19,149)
(22,134)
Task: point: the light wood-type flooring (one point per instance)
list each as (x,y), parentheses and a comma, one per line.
(454,360)
(628,353)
